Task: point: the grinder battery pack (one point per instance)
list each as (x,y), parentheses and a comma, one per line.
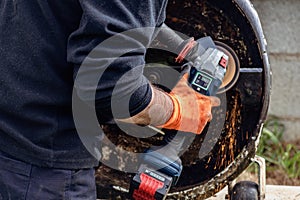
(150,184)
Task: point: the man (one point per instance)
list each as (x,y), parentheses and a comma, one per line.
(42,47)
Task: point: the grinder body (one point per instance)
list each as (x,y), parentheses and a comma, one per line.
(207,72)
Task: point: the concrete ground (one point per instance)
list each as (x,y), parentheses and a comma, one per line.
(273,192)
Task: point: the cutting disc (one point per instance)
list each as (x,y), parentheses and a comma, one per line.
(233,68)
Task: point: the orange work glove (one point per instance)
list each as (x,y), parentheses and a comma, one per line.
(191,110)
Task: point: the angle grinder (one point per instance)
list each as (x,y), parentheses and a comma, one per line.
(215,71)
(165,77)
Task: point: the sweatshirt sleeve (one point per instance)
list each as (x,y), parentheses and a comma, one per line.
(107,52)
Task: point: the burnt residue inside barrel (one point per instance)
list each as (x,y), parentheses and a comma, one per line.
(219,20)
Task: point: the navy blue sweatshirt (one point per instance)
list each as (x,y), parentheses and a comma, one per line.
(43,43)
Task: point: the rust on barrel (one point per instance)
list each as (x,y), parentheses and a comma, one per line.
(232,149)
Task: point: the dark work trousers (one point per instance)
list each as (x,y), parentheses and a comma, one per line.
(19,180)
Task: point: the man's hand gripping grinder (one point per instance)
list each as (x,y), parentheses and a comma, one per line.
(207,65)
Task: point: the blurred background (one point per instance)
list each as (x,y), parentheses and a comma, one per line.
(280,140)
(281,24)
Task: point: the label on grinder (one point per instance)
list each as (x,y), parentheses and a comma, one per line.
(202,81)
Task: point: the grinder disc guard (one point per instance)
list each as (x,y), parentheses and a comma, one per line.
(233,68)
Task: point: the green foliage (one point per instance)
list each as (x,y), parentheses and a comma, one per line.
(278,154)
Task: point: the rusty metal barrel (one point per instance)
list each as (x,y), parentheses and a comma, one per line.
(229,153)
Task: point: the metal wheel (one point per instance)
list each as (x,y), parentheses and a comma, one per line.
(245,190)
